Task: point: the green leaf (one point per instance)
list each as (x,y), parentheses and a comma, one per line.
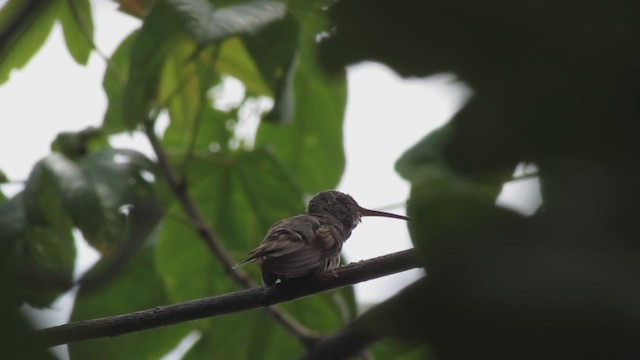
(18,338)
(119,177)
(183,85)
(185,82)
(149,51)
(24,27)
(390,348)
(114,84)
(90,193)
(311,145)
(275,51)
(136,289)
(427,160)
(56,178)
(235,60)
(407,316)
(252,335)
(212,133)
(209,24)
(77,26)
(12,226)
(442,199)
(140,222)
(3,177)
(75,144)
(47,250)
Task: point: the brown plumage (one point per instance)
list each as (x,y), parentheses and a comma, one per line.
(311,243)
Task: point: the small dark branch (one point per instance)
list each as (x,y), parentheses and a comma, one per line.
(357,336)
(228,303)
(212,240)
(344,344)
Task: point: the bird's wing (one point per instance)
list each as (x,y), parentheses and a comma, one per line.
(284,237)
(299,258)
(297,246)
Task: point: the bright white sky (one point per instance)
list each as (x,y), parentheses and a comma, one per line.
(385,116)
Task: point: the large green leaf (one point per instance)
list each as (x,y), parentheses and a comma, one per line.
(12,225)
(61,194)
(251,335)
(77,25)
(53,196)
(400,350)
(212,134)
(119,178)
(427,160)
(149,51)
(195,125)
(71,187)
(311,145)
(136,289)
(24,27)
(114,84)
(234,60)
(75,144)
(209,24)
(3,179)
(275,50)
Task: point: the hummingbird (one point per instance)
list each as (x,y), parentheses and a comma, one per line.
(310,243)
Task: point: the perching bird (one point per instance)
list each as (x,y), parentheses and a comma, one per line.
(310,244)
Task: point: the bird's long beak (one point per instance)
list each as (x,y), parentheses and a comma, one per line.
(367,212)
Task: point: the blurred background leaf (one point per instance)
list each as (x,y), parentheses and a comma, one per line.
(275,50)
(114,83)
(149,51)
(24,27)
(77,24)
(207,24)
(311,145)
(549,90)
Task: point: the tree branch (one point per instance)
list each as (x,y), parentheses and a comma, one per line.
(229,303)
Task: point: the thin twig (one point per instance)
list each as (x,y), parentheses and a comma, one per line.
(349,341)
(212,240)
(229,303)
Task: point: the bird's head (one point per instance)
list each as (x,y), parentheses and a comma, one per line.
(344,208)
